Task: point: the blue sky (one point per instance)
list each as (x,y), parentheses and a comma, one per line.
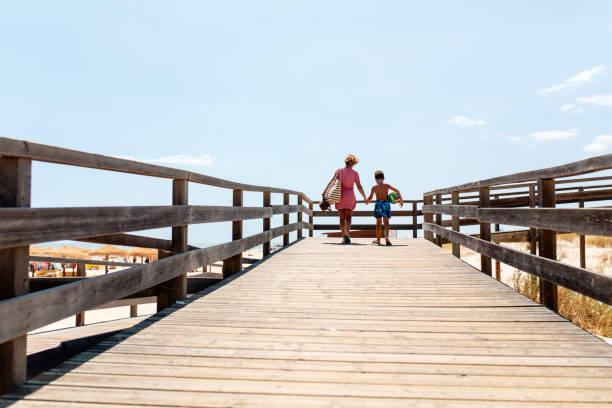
(277,92)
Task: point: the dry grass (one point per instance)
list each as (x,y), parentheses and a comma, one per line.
(587,313)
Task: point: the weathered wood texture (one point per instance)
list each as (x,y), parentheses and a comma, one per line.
(28,312)
(485,230)
(266,222)
(548,242)
(52,154)
(286,218)
(427,217)
(77,261)
(132,240)
(455,224)
(15,191)
(299,216)
(392,226)
(298,330)
(361,213)
(233,264)
(23,226)
(588,283)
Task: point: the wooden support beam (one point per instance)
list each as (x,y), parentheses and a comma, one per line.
(178,285)
(311,220)
(15,191)
(299,216)
(581,238)
(455,224)
(266,222)
(234,264)
(414,220)
(438,219)
(548,243)
(427,217)
(80,317)
(286,219)
(133,310)
(484,199)
(532,231)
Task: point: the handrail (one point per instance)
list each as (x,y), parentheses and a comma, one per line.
(593,164)
(59,155)
(22,310)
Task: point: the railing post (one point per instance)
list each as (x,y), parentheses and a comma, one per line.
(548,242)
(80,317)
(484,201)
(428,218)
(233,264)
(581,238)
(532,231)
(414,220)
(299,217)
(175,289)
(266,223)
(15,188)
(286,219)
(133,310)
(455,224)
(439,219)
(311,220)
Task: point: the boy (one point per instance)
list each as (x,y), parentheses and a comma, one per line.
(382,209)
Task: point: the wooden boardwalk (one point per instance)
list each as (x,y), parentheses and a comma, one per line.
(326,325)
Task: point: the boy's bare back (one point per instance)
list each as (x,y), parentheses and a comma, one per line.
(381,191)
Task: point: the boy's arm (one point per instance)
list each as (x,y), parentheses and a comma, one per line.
(401,200)
(367,201)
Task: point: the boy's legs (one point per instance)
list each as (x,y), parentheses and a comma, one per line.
(386,221)
(378,229)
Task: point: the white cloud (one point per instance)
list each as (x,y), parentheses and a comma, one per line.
(600,144)
(554,134)
(571,108)
(202,160)
(465,121)
(598,100)
(576,80)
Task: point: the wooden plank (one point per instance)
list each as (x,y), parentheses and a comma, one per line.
(456,248)
(290,209)
(15,191)
(127,302)
(593,164)
(233,264)
(467,211)
(41,308)
(177,286)
(266,222)
(548,243)
(427,216)
(485,230)
(286,219)
(299,216)
(131,240)
(588,283)
(415,213)
(310,220)
(27,226)
(52,154)
(367,227)
(438,218)
(581,240)
(357,213)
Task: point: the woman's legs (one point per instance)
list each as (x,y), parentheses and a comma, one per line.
(342,222)
(348,220)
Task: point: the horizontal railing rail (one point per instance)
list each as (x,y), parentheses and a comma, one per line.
(541,217)
(23,310)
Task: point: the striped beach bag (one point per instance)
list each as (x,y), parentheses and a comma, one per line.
(333,194)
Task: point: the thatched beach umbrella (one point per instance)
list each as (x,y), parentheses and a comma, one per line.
(143,252)
(106,251)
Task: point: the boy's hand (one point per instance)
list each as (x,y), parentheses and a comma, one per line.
(367,202)
(401,203)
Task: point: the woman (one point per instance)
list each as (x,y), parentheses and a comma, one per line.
(345,207)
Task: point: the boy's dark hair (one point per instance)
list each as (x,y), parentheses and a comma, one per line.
(379,174)
(324,205)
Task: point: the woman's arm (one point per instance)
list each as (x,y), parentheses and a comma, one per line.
(360,189)
(367,201)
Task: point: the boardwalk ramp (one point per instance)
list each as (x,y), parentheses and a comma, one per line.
(320,324)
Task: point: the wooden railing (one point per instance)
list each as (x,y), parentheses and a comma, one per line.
(22,310)
(540,191)
(414,212)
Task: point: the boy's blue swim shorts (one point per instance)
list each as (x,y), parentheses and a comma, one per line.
(382,209)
